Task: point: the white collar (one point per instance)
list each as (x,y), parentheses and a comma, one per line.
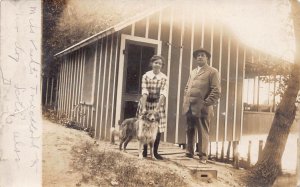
(158,76)
(198,69)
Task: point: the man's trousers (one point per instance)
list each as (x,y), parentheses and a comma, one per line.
(202,125)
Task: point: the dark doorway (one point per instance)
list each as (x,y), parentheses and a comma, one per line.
(137,56)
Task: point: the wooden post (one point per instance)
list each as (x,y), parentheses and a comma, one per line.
(222,152)
(56,94)
(217,151)
(260,148)
(209,156)
(228,151)
(51,91)
(46,101)
(236,154)
(233,150)
(249,154)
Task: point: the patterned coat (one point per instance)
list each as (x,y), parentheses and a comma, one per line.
(154,86)
(202,91)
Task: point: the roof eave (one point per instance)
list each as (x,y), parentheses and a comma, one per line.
(86,41)
(107,32)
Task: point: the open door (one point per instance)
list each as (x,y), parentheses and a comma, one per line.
(137,57)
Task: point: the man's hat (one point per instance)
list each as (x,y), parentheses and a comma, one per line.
(195,53)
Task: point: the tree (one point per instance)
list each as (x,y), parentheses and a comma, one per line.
(268,167)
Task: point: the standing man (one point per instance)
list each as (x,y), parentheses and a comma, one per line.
(202,91)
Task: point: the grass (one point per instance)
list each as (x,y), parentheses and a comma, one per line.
(102,167)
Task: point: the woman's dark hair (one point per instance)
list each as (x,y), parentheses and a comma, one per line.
(157,57)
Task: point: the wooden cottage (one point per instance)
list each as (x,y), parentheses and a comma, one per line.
(100,77)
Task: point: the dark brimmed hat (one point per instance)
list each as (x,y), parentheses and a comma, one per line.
(195,53)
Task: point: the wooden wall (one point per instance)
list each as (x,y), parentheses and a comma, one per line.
(181,32)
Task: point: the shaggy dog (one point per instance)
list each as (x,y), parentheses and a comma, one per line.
(144,128)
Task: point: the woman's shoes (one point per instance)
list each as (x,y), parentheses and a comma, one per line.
(189,155)
(158,157)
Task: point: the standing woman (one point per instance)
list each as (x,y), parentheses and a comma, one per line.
(154,93)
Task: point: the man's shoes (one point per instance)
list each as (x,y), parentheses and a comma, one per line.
(203,159)
(189,155)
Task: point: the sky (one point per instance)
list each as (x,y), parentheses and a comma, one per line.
(264,25)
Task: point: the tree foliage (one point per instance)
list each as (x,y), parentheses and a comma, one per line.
(67,22)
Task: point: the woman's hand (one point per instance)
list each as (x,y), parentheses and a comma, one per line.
(144,110)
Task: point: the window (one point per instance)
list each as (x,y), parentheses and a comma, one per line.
(88,74)
(260,95)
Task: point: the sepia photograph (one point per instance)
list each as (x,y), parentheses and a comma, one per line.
(150,93)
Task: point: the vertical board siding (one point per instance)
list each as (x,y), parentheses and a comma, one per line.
(104,89)
(65,85)
(61,87)
(178,124)
(78,112)
(96,86)
(241,88)
(231,90)
(70,94)
(51,91)
(112,80)
(68,86)
(99,91)
(91,107)
(109,88)
(115,79)
(227,88)
(174,68)
(106,83)
(81,87)
(215,63)
(47,86)
(223,77)
(239,96)
(197,32)
(64,103)
(185,71)
(153,26)
(166,30)
(77,84)
(192,33)
(140,28)
(73,85)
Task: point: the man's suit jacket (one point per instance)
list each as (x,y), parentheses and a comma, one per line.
(202,91)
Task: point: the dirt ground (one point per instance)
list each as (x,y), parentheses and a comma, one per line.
(72,158)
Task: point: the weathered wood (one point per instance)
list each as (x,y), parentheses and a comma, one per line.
(51,91)
(209,155)
(222,151)
(260,148)
(217,151)
(228,151)
(249,154)
(47,85)
(236,155)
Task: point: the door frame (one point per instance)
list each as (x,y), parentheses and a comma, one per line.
(124,39)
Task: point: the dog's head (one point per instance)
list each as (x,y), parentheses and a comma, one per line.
(151,116)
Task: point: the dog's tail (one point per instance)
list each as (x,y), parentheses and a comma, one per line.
(114,132)
(112,135)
